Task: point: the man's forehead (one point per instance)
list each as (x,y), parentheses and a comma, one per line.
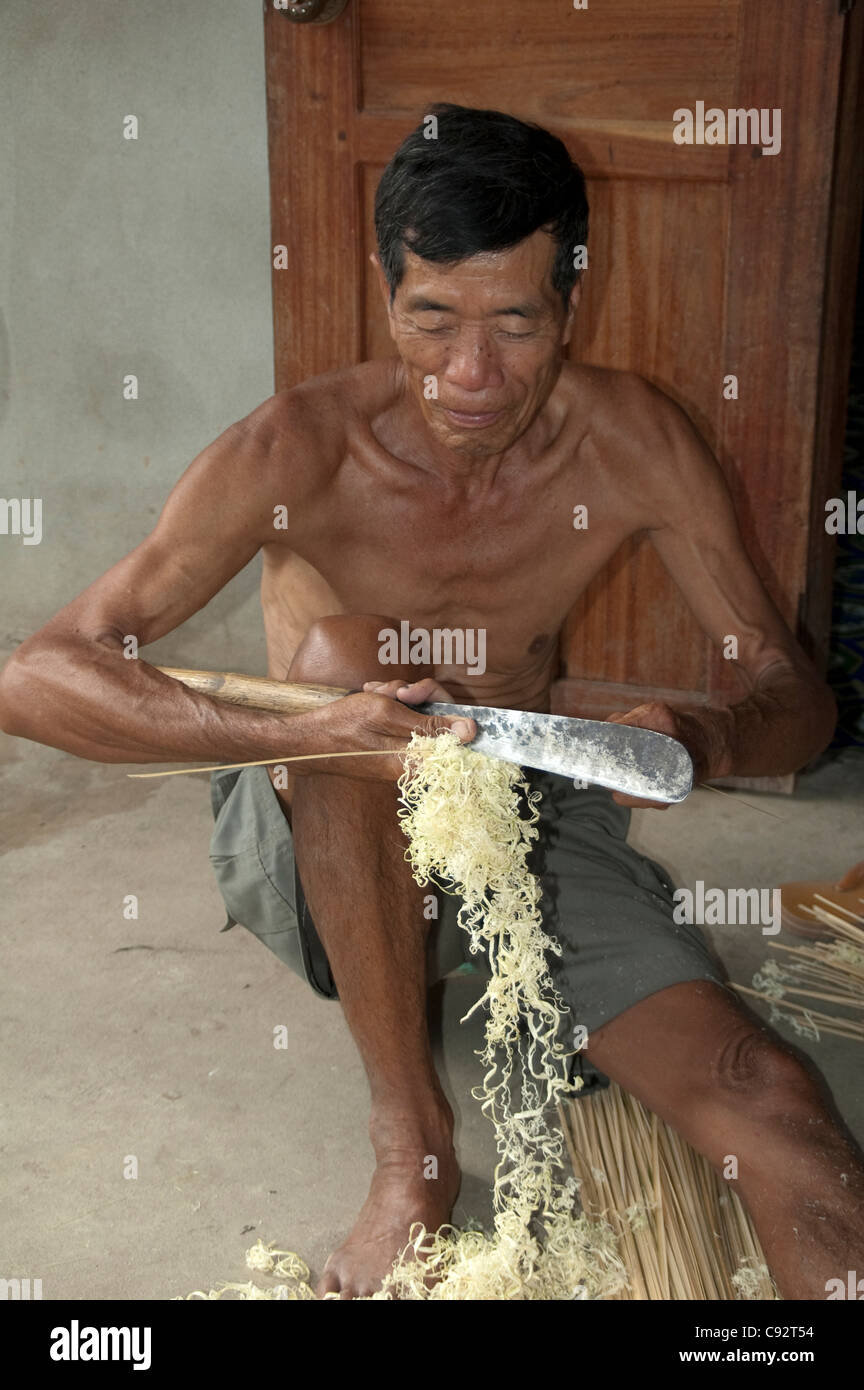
(521,273)
(416,303)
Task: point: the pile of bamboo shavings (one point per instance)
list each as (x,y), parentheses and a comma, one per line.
(462,814)
(682,1231)
(830,971)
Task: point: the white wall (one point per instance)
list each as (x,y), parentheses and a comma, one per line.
(119,256)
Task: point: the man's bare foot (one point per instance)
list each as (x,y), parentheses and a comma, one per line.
(403,1191)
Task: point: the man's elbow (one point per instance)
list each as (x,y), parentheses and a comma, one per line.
(826,715)
(815,712)
(18,703)
(10,698)
(795,692)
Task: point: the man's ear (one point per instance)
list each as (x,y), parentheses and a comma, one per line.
(384,288)
(575,297)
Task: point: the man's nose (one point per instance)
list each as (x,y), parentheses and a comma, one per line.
(473,364)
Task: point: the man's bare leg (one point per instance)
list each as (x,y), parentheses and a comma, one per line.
(368,912)
(730,1086)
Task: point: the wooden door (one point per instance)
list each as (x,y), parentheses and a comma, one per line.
(705,261)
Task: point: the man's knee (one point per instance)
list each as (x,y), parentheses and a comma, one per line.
(753,1071)
(750,1087)
(347,648)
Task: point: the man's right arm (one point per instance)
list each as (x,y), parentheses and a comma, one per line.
(72,687)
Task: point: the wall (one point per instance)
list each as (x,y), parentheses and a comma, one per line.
(148,256)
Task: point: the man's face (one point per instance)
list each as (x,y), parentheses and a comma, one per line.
(486,335)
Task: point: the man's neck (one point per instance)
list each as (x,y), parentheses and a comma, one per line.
(472,473)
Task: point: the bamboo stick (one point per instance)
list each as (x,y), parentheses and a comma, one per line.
(256,692)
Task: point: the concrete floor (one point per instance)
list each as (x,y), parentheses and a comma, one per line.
(154,1038)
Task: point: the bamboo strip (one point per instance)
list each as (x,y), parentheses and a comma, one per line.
(266,762)
(826,1022)
(838,907)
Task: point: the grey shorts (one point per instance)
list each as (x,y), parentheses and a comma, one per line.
(609,906)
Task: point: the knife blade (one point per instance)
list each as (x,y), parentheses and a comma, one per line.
(639,762)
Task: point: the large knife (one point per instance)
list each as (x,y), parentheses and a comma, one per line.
(639,762)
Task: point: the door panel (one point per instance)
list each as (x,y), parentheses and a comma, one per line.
(628,60)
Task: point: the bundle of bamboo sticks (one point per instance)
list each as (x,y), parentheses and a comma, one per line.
(682,1231)
(830,971)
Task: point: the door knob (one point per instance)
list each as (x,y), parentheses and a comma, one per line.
(311,11)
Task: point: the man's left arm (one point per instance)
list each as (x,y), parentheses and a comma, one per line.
(789,713)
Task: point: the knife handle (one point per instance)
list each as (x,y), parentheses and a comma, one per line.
(256,692)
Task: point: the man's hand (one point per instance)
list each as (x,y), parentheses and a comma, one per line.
(377,718)
(422,692)
(701,736)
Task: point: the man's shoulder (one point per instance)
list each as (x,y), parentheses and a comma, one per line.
(644,437)
(632,420)
(322,409)
(614,399)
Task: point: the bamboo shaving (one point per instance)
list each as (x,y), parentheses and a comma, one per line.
(263,1259)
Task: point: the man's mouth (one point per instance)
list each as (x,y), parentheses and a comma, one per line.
(474,420)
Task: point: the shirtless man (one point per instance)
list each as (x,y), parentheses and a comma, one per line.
(451,512)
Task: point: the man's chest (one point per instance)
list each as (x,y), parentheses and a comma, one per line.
(479,593)
(531,550)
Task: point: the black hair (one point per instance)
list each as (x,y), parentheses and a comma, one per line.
(485,183)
